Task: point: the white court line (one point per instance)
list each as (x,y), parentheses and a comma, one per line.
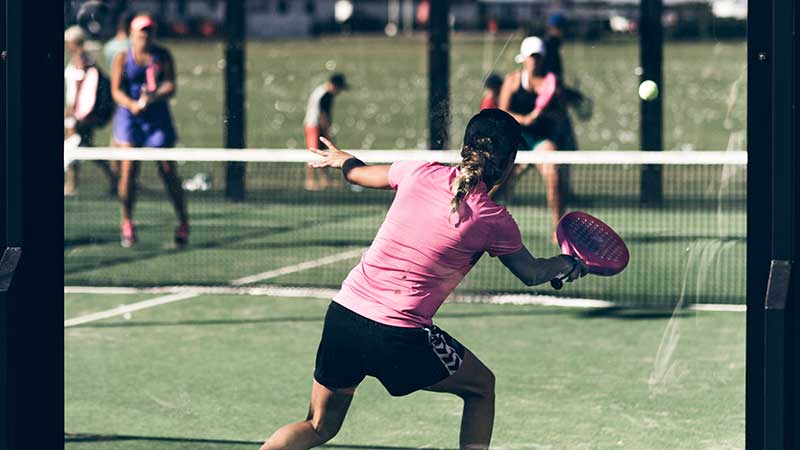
(327,294)
(714,307)
(269,291)
(120,310)
(541,300)
(298,267)
(177,293)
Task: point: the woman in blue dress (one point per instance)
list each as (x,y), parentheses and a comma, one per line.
(142,82)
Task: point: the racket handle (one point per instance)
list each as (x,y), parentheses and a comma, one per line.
(556,283)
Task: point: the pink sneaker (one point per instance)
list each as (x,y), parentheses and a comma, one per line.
(128,234)
(182,235)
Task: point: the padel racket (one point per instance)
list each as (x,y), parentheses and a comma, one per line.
(546,91)
(587,238)
(87,94)
(150,78)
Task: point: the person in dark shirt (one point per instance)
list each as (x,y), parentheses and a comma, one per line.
(552,62)
(556,24)
(542,129)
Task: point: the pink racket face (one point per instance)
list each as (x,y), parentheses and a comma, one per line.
(84,102)
(150,75)
(594,242)
(546,91)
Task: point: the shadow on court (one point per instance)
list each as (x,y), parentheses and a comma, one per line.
(230,241)
(315,318)
(78,440)
(622,313)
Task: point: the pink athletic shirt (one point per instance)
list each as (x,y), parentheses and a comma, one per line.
(421,252)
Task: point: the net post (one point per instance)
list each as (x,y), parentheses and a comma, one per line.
(234,122)
(438,74)
(651,56)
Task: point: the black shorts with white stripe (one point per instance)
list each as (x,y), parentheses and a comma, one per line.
(404,360)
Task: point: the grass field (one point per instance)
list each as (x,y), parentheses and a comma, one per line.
(222,372)
(704,90)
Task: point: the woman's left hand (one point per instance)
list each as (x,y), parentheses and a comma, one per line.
(332,156)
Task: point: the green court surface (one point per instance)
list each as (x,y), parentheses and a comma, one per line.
(214,372)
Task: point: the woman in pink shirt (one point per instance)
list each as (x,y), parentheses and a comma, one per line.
(380,324)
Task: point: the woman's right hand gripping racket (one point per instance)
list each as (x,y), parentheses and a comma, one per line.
(587,238)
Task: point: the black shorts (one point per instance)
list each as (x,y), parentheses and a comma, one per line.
(404,360)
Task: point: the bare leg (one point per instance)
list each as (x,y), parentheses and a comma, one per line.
(326,414)
(71,179)
(324,178)
(126,189)
(169,174)
(550,174)
(311,182)
(474,383)
(110,173)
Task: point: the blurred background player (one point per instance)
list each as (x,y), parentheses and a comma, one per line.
(317,124)
(74,73)
(142,81)
(491,91)
(556,24)
(542,130)
(119,43)
(556,29)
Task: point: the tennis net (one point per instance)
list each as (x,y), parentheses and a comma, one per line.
(688,247)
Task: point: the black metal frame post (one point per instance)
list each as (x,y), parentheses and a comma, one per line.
(439,74)
(785,172)
(792,340)
(234,96)
(31,310)
(651,51)
(759,219)
(5,217)
(773,283)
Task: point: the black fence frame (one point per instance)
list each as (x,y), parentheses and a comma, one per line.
(773,217)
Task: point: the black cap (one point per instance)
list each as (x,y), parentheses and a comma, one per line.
(493,82)
(498,125)
(339,81)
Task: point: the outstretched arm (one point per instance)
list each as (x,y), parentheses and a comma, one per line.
(376,177)
(533,271)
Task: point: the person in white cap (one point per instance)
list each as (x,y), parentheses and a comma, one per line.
(541,127)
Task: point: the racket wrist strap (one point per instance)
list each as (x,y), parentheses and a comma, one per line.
(350,164)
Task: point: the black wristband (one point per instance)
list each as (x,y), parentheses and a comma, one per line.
(351,164)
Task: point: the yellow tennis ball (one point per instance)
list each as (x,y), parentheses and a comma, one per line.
(648,90)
